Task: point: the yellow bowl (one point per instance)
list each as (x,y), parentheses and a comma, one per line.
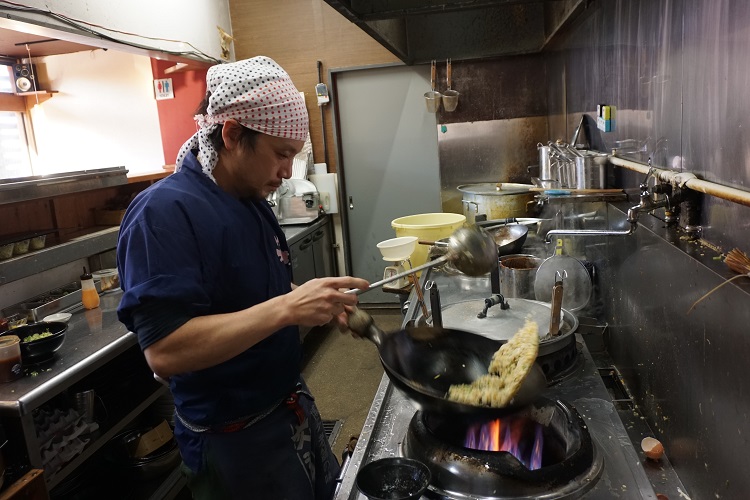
(430,227)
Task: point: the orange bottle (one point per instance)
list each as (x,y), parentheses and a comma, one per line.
(89,295)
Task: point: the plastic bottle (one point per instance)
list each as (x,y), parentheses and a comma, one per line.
(89,295)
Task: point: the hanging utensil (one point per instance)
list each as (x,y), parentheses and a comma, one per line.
(420,296)
(472,250)
(556,304)
(435,307)
(450,97)
(578,288)
(432,98)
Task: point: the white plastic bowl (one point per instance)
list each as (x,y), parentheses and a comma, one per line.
(397,249)
(61,317)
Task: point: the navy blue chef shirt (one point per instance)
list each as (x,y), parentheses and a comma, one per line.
(187,245)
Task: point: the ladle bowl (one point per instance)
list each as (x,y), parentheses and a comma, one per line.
(472,250)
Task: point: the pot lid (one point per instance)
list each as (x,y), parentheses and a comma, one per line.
(495,188)
(576,281)
(502,324)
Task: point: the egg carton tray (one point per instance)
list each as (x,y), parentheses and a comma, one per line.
(44,304)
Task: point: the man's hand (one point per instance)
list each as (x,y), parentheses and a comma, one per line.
(321,301)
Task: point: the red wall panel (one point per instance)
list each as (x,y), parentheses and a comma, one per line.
(176,115)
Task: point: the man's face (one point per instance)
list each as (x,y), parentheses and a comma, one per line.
(259,171)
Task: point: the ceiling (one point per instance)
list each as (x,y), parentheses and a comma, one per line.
(13,45)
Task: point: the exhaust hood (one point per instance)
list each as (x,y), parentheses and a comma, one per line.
(417,31)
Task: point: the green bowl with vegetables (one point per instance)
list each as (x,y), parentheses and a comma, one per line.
(40,340)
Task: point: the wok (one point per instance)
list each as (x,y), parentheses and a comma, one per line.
(510,239)
(423,362)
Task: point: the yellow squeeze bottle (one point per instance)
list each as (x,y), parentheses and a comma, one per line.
(89,295)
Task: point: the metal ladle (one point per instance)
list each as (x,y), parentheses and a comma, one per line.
(450,96)
(433,97)
(472,250)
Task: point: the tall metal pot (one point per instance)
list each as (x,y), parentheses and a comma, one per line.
(496,200)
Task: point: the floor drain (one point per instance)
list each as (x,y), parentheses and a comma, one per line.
(332,429)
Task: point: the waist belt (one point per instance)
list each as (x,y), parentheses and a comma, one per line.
(291,401)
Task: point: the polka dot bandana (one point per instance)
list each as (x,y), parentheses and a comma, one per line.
(257,93)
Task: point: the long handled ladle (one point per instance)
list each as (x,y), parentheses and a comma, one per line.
(471,249)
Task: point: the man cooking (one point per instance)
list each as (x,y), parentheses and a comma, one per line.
(205,271)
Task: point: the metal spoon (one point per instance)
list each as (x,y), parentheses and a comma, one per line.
(472,250)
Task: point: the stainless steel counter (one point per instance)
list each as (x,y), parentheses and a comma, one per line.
(294,233)
(93,338)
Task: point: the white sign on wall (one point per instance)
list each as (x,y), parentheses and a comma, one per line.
(163,89)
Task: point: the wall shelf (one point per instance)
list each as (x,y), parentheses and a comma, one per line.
(49,186)
(97,241)
(24,101)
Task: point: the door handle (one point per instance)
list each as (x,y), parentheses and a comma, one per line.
(351,203)
(306,243)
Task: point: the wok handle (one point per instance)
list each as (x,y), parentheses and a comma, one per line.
(556,307)
(398,276)
(363,325)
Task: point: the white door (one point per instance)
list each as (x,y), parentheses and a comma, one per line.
(389,160)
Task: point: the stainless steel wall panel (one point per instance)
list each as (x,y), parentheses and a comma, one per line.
(486,151)
(498,89)
(685,370)
(716,98)
(677,71)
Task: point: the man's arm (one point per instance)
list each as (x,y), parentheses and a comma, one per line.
(206,341)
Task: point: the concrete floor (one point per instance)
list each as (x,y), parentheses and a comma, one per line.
(344,373)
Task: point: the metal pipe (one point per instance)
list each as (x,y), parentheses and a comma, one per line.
(686,180)
(373,286)
(589,232)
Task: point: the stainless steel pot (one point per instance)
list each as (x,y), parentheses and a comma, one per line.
(517,275)
(495,200)
(500,324)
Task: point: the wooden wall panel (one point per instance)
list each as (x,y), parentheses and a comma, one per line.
(74,214)
(297,34)
(25,217)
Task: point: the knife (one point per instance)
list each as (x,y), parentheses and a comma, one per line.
(556,304)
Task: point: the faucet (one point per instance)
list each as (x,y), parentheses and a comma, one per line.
(670,202)
(647,204)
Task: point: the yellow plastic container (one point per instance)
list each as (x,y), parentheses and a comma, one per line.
(430,227)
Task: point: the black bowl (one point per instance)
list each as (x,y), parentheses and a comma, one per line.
(42,348)
(118,452)
(393,478)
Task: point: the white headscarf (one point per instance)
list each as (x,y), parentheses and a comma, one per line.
(257,93)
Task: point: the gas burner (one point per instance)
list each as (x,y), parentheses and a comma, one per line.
(559,361)
(544,451)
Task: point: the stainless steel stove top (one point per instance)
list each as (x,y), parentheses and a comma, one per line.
(623,474)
